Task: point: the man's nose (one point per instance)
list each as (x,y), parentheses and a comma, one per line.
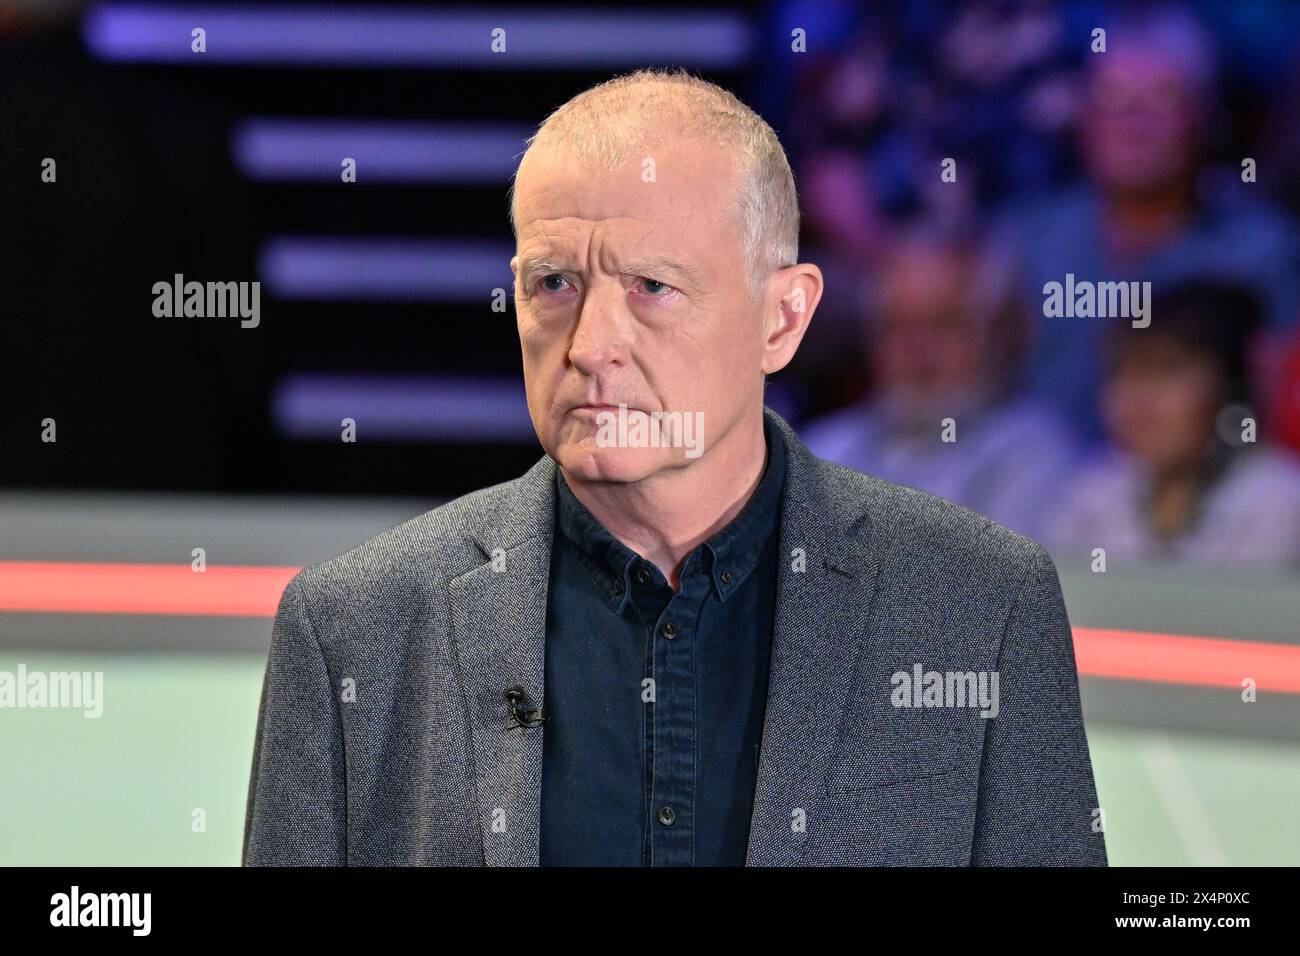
(601,337)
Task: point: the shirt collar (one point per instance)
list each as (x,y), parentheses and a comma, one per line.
(608,561)
(734,550)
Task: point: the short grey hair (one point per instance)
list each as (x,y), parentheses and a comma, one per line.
(609,122)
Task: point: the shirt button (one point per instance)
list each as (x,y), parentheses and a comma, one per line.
(726,577)
(667,815)
(641,575)
(670,630)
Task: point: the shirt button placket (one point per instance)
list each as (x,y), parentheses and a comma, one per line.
(675,730)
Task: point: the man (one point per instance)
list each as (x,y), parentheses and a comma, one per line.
(1144,212)
(942,332)
(675,640)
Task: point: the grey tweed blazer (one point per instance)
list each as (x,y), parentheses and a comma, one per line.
(382,733)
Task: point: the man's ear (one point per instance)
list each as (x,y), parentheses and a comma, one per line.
(790,299)
(514,266)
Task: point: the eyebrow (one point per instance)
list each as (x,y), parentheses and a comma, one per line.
(531,264)
(658,264)
(643,266)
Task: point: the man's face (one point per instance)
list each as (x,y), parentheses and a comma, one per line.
(1139,123)
(927,348)
(633,292)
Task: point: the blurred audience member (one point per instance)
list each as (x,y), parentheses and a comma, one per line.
(943,334)
(1179,482)
(887,97)
(1148,211)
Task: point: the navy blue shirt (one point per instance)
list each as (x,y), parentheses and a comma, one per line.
(655,699)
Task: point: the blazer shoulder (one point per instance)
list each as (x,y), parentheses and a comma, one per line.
(416,555)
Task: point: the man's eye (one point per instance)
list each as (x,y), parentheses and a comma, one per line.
(554,282)
(655,287)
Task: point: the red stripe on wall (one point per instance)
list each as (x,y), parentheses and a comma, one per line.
(85,588)
(237,591)
(1178,659)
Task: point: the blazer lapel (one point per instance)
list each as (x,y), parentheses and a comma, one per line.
(825,589)
(498,620)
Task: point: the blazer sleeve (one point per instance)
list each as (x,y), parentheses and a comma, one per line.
(297,802)
(1037,799)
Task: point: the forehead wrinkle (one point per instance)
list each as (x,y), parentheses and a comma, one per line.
(553,249)
(644,236)
(618,262)
(647,261)
(556,254)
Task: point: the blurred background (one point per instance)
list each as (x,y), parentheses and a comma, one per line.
(952,159)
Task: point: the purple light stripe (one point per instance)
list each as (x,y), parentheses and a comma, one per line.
(386,269)
(396,408)
(361,36)
(281,149)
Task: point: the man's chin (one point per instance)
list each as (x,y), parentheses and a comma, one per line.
(585,462)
